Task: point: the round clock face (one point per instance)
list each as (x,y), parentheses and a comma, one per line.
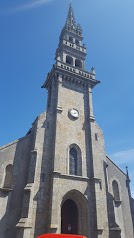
(74,113)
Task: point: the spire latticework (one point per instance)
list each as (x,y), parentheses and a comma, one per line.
(70,22)
(70,18)
(71,49)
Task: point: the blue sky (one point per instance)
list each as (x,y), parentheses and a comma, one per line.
(29,34)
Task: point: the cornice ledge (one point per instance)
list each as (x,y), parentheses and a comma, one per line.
(23,222)
(28,187)
(34,151)
(115,228)
(54,226)
(59,109)
(6,190)
(74,177)
(96,179)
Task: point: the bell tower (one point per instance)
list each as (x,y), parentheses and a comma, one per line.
(69,87)
(70,59)
(57,178)
(71,50)
(77,153)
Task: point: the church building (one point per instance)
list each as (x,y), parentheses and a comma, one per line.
(58,178)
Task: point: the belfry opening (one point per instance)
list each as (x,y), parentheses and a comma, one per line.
(69,217)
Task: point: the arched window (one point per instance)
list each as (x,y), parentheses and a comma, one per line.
(78,63)
(116,190)
(70,38)
(69,60)
(8,176)
(73,161)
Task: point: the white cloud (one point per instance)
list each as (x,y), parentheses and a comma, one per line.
(32,4)
(26,6)
(123,157)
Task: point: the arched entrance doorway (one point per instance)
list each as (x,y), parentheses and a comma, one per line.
(69,217)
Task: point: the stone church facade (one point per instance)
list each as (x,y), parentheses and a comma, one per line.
(57,178)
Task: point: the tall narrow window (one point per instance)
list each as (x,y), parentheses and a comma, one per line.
(8,176)
(78,63)
(69,60)
(116,191)
(96,136)
(73,161)
(77,42)
(70,38)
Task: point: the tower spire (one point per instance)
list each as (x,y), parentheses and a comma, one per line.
(71,23)
(70,17)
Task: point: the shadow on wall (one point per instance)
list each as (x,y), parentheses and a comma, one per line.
(44,194)
(13,188)
(114,229)
(132,205)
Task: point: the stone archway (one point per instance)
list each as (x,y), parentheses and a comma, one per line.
(69,217)
(74,214)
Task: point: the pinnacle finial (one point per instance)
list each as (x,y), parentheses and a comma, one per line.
(70,18)
(127,172)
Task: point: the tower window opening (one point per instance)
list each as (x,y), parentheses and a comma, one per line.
(116,191)
(73,161)
(96,136)
(77,42)
(78,63)
(70,38)
(69,60)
